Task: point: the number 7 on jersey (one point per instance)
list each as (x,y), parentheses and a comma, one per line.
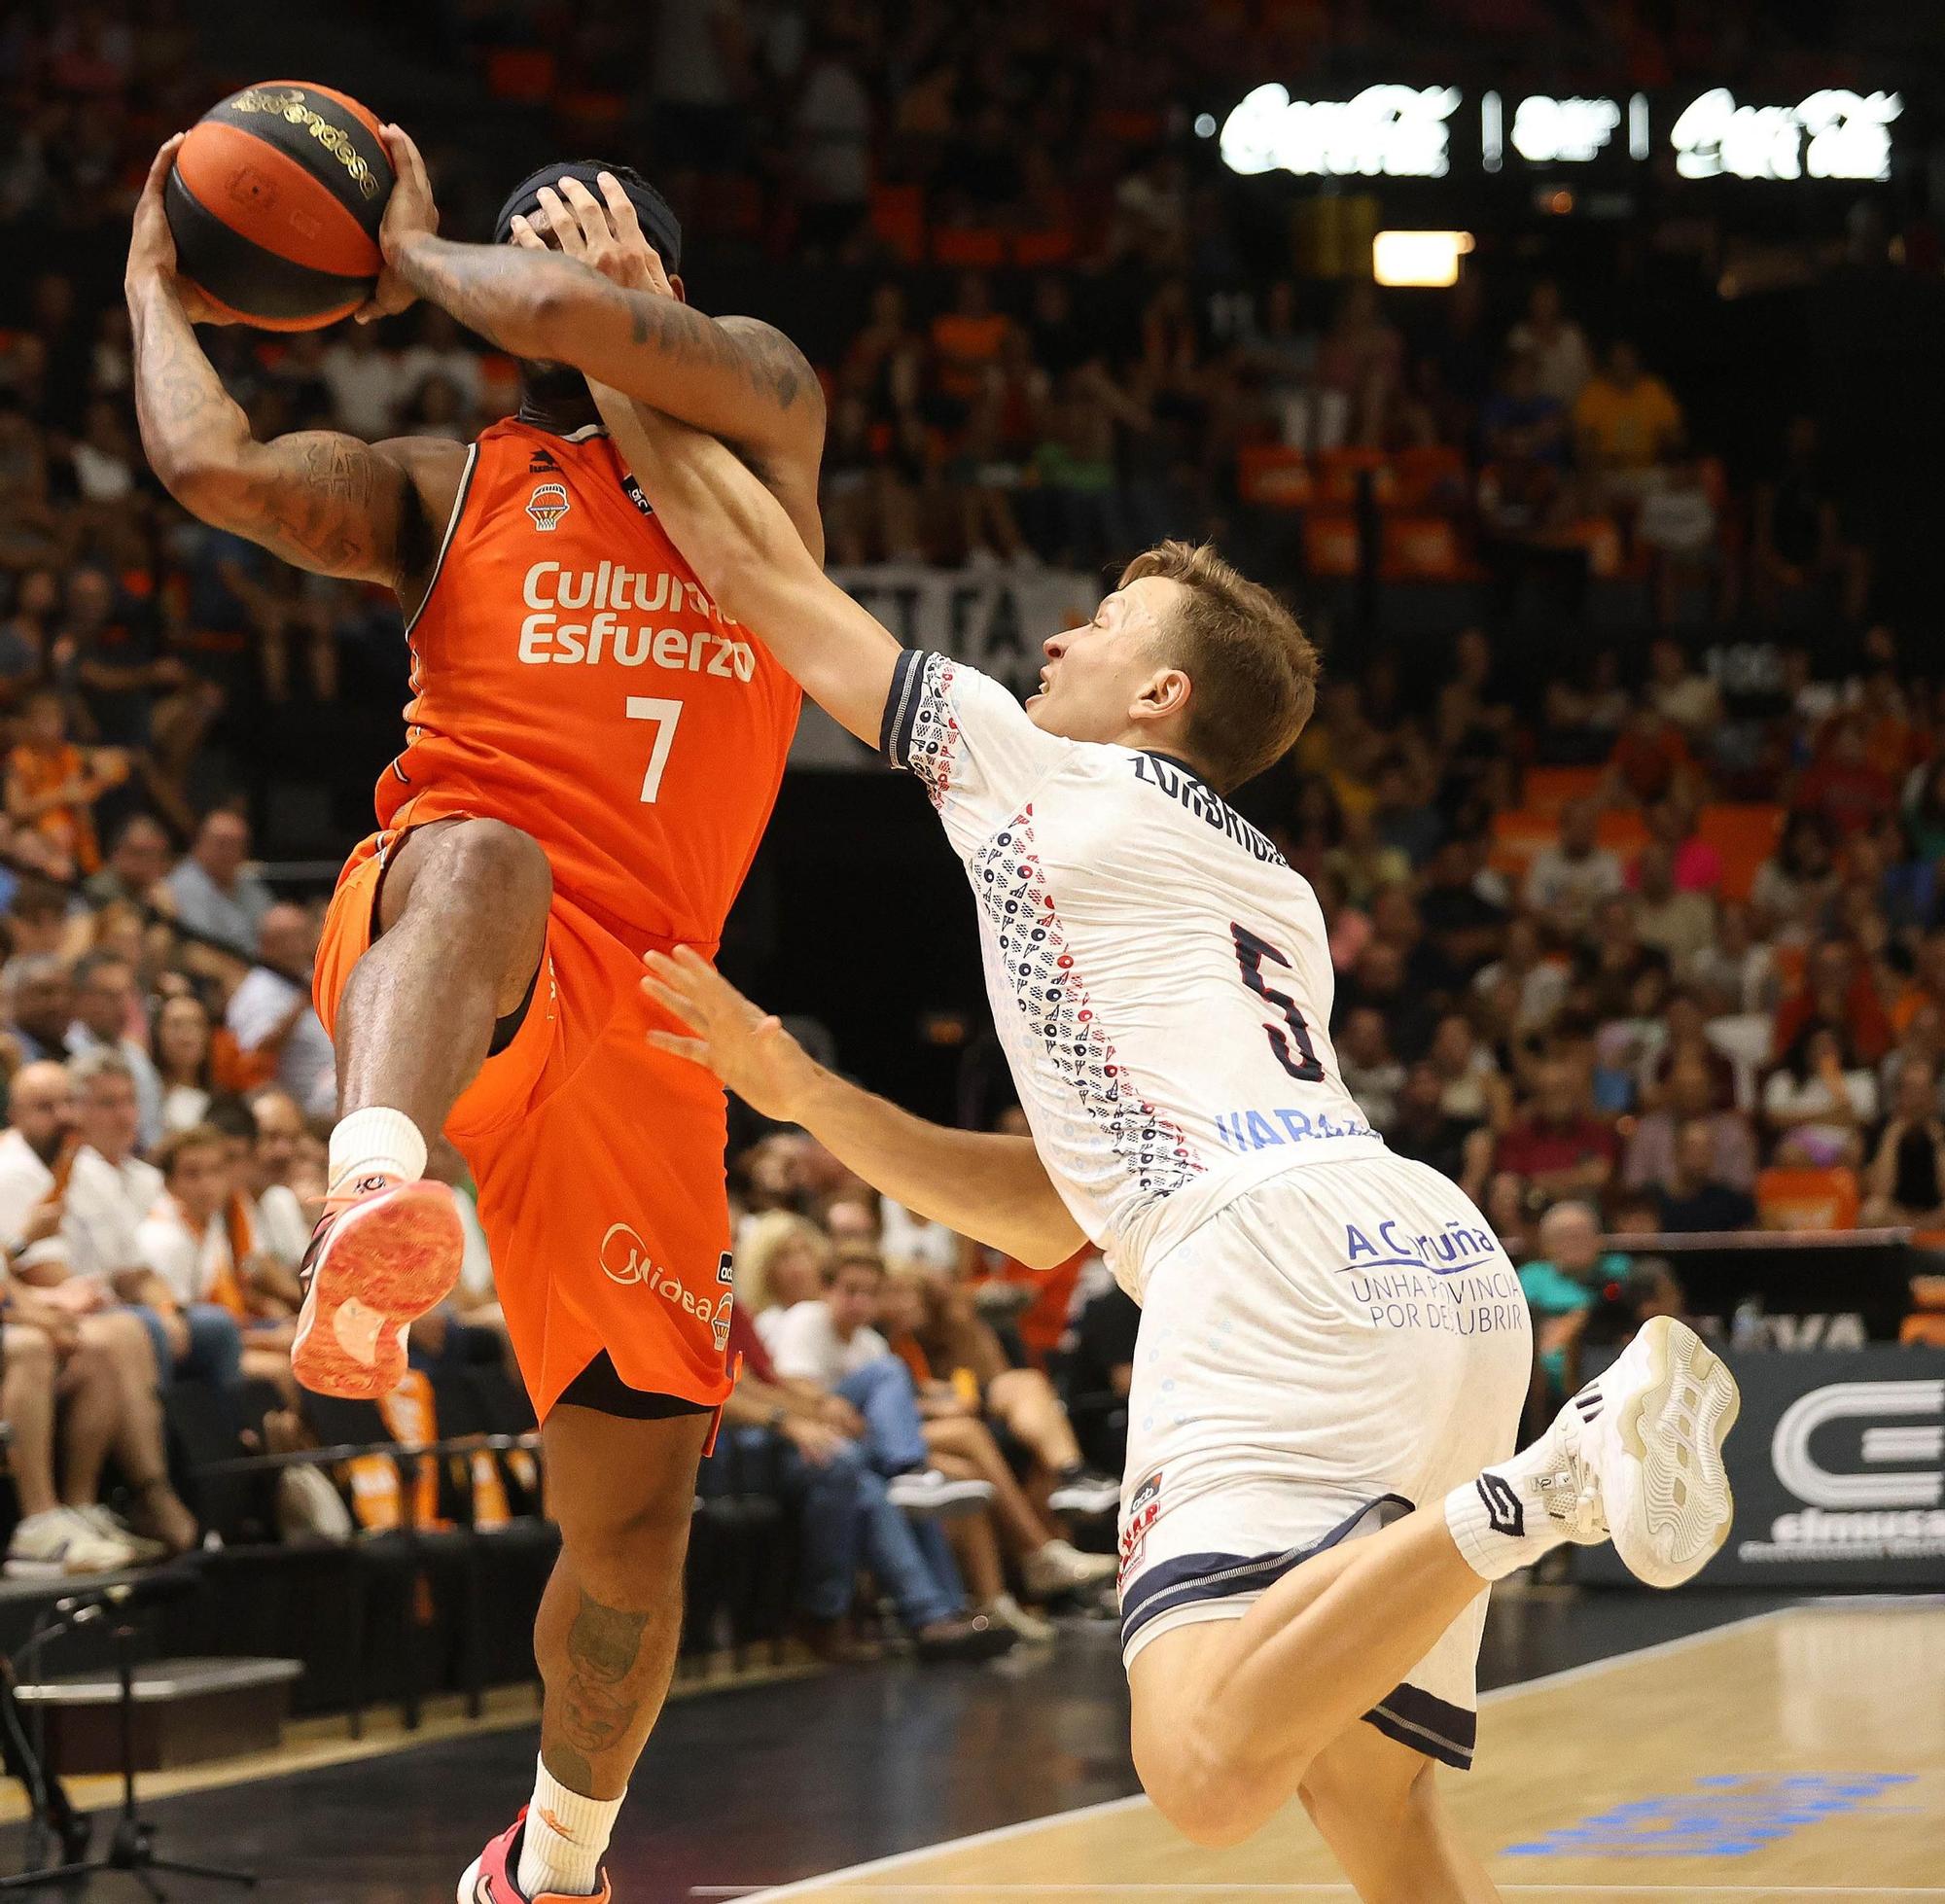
(665,714)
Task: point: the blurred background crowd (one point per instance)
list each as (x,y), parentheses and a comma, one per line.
(1625,798)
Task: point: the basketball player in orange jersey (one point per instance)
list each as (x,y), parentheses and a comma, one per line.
(591,755)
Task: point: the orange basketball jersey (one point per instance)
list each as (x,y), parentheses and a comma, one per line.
(571,678)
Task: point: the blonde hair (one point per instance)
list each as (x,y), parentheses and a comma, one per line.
(1251,666)
(763,1241)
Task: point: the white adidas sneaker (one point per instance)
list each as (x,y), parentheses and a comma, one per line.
(1641,1455)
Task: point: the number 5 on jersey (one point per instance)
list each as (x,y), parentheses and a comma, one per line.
(1250,952)
(665,714)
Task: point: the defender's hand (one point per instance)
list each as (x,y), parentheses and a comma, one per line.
(152,245)
(606,235)
(410,213)
(747,1048)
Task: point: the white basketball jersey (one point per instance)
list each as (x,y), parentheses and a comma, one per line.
(1159,977)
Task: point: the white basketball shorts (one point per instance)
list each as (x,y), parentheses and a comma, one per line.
(1341,1343)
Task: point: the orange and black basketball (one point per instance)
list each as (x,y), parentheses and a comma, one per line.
(275,199)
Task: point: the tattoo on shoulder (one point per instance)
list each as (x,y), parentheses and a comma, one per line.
(323,505)
(775,362)
(772,365)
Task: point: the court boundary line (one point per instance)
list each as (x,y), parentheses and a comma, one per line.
(1201,1888)
(1108,1807)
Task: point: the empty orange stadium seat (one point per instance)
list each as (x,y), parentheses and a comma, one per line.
(522,73)
(1339,470)
(1789,1199)
(1272,476)
(1331,543)
(1035,250)
(897,220)
(1426,474)
(1552,788)
(591,111)
(1599,536)
(969,247)
(1518,834)
(1745,834)
(1623,830)
(1422,548)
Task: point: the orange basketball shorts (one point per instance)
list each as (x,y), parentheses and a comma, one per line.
(597,1158)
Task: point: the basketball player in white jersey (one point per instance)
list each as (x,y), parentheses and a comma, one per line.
(1333,1349)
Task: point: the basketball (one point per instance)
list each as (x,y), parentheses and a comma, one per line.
(275,199)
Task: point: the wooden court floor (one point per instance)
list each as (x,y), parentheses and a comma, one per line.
(1796,1755)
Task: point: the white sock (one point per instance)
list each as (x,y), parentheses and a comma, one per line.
(566,1837)
(1499,1522)
(375,1142)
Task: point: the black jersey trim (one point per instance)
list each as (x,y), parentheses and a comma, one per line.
(900,715)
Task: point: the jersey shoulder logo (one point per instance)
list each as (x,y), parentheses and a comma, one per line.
(632,489)
(548,505)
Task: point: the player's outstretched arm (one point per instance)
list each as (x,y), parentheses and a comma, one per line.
(985,1185)
(738,377)
(745,550)
(323,500)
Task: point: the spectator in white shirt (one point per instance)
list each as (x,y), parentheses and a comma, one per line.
(1567,881)
(104,1005)
(1557,345)
(37,1155)
(110,1188)
(200,1258)
(183,1060)
(832,1343)
(829,1340)
(36,1160)
(283,1225)
(363,378)
(271,1010)
(214,893)
(1819,1101)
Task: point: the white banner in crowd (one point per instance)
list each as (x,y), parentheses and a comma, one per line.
(994,618)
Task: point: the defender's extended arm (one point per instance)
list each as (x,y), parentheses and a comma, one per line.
(746,553)
(736,378)
(985,1185)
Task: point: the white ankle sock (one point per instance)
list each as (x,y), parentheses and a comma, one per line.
(375,1142)
(1499,1522)
(567,1835)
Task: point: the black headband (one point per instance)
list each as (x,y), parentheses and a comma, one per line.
(659,224)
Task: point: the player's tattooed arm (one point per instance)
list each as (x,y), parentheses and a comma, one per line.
(582,286)
(322,501)
(325,502)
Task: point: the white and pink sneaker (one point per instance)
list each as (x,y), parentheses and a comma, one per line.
(384,1253)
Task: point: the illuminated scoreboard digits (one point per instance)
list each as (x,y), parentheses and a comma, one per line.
(1407,132)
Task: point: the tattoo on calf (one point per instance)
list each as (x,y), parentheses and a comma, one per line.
(604,1648)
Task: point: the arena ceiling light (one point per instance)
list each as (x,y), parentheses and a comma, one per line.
(1427,259)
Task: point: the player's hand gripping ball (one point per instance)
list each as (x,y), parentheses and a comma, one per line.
(275,199)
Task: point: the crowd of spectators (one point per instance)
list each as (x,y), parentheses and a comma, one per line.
(904,1377)
(1612,1037)
(1639,1033)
